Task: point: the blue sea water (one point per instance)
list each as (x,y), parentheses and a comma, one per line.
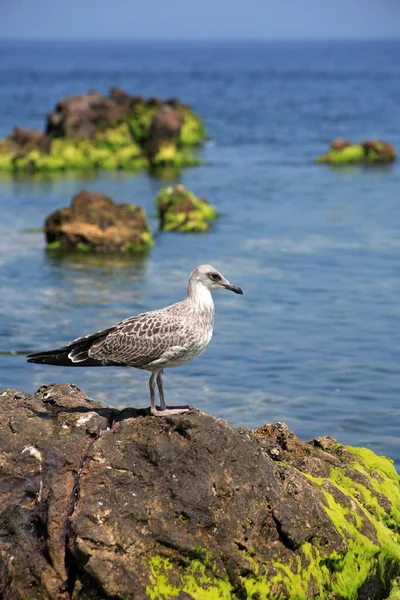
(315,340)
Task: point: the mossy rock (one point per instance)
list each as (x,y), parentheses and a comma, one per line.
(359,493)
(94,223)
(193,131)
(187,507)
(370,152)
(180,210)
(170,155)
(115,132)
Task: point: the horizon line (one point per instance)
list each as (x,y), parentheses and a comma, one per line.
(200,39)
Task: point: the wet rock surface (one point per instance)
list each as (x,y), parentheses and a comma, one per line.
(100,503)
(94,223)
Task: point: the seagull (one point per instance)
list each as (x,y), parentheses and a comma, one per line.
(153,341)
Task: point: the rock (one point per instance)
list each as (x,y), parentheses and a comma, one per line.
(368,152)
(180,210)
(339,144)
(374,148)
(80,117)
(22,140)
(123,98)
(118,131)
(45,439)
(164,130)
(94,223)
(100,503)
(22,147)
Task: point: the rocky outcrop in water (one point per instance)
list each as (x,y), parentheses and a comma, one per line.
(180,210)
(164,131)
(99,503)
(369,152)
(118,131)
(21,140)
(80,117)
(94,223)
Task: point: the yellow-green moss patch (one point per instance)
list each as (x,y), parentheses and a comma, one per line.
(95,132)
(181,210)
(368,153)
(195,579)
(361,498)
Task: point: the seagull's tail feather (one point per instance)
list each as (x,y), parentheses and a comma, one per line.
(60,358)
(75,354)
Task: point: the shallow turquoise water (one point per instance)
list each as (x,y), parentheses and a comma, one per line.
(315,340)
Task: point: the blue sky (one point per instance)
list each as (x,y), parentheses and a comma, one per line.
(188,19)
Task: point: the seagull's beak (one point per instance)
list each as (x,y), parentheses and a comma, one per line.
(233,288)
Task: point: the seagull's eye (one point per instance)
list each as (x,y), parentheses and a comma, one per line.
(215,277)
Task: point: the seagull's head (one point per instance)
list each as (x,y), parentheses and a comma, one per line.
(212,279)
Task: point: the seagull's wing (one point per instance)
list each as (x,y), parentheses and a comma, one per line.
(140,340)
(135,342)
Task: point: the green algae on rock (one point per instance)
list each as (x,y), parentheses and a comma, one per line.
(369,152)
(186,507)
(180,210)
(115,132)
(192,131)
(94,223)
(277,520)
(368,524)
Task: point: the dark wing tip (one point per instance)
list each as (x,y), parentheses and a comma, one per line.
(34,358)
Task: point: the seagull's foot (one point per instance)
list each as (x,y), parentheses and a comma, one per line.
(164,412)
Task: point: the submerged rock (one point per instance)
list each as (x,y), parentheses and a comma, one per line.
(94,223)
(100,503)
(369,152)
(180,210)
(112,132)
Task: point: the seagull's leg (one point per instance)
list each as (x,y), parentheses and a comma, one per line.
(160,390)
(164,411)
(152,387)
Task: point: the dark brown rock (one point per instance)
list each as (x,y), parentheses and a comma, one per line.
(23,140)
(339,144)
(101,504)
(95,223)
(219,502)
(123,98)
(79,117)
(45,439)
(165,128)
(384,149)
